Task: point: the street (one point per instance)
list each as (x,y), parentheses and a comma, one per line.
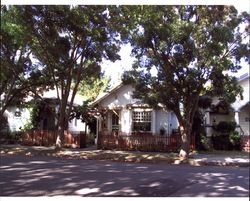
(48,176)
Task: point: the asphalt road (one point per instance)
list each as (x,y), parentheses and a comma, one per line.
(45,176)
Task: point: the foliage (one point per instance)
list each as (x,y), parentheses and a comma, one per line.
(34,117)
(90,139)
(185,46)
(92,87)
(235,138)
(226,138)
(70,42)
(225,126)
(205,143)
(18,74)
(86,114)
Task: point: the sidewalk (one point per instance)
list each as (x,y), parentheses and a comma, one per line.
(239,159)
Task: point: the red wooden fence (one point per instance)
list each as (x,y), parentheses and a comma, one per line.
(142,142)
(48,138)
(245,143)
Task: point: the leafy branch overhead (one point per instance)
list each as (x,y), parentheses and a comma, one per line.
(181,50)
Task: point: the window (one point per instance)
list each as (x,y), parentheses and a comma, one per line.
(142,121)
(18,114)
(115,121)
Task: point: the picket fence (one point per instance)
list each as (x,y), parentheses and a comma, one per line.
(142,142)
(48,138)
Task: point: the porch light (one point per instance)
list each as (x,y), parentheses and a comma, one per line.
(17,113)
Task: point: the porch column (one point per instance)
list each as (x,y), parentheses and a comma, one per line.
(97,130)
(153,122)
(208,123)
(237,120)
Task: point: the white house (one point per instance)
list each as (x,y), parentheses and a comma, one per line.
(240,110)
(17,117)
(122,114)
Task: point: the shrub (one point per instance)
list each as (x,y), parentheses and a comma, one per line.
(225,138)
(234,138)
(225,126)
(205,143)
(90,139)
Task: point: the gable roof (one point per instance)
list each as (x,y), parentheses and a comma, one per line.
(106,94)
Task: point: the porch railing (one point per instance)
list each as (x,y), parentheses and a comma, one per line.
(142,142)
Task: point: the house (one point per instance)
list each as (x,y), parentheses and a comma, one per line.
(123,115)
(239,112)
(18,117)
(133,122)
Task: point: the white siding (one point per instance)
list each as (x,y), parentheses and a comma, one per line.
(174,121)
(76,125)
(17,123)
(126,121)
(166,120)
(240,103)
(244,119)
(162,121)
(120,98)
(216,118)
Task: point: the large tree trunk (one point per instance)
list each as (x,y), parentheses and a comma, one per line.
(61,124)
(60,137)
(185,141)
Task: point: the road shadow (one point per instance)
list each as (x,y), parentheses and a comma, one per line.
(48,176)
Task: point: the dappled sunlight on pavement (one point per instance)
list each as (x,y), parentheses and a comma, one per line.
(50,176)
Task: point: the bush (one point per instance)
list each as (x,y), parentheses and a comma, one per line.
(90,139)
(205,143)
(225,126)
(226,138)
(234,138)
(221,142)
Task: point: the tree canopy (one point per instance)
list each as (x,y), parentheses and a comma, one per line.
(187,47)
(70,42)
(18,74)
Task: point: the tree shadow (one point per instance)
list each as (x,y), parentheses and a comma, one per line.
(47,176)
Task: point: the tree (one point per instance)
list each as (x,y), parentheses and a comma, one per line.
(18,74)
(187,47)
(70,42)
(90,88)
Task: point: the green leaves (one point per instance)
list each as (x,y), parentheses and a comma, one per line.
(189,46)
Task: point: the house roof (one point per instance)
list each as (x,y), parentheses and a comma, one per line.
(52,94)
(106,94)
(244,76)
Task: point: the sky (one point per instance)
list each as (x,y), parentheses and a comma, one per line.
(115,70)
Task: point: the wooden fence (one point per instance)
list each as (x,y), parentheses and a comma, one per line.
(142,142)
(245,143)
(48,138)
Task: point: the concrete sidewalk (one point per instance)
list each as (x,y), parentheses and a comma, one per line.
(220,160)
(227,158)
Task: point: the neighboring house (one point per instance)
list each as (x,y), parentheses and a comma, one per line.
(124,115)
(17,117)
(239,111)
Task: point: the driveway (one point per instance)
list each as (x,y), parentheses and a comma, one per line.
(47,176)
